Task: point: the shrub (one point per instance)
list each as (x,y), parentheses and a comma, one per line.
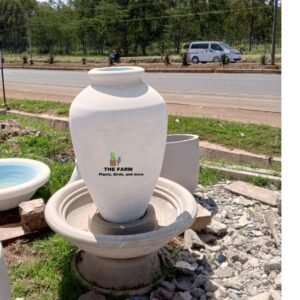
(224,59)
(184,59)
(263,60)
(167,60)
(25,59)
(51,59)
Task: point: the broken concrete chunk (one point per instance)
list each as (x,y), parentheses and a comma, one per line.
(192,240)
(216,228)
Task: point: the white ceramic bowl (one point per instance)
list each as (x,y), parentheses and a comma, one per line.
(19,180)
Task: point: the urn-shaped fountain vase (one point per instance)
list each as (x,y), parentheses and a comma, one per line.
(118,126)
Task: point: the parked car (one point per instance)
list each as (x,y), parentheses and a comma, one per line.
(212,51)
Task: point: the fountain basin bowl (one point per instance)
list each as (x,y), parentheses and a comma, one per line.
(19,180)
(68,209)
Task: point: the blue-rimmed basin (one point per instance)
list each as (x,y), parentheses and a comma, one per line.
(19,180)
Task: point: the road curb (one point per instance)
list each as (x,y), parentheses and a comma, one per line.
(208,150)
(154,70)
(57,123)
(212,151)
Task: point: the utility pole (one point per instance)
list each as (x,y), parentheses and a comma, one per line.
(28,35)
(3,86)
(274,32)
(251,25)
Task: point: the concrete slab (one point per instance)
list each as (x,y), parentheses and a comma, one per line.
(11,231)
(262,195)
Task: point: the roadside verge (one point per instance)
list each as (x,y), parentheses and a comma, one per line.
(238,162)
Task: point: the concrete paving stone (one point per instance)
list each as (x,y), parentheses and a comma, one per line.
(254,192)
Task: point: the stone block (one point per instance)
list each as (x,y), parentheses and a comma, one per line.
(32,215)
(203,218)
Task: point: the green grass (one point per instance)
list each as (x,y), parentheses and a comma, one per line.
(254,138)
(45,148)
(47,273)
(40,106)
(208,177)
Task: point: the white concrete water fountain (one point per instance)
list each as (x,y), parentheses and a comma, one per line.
(121,213)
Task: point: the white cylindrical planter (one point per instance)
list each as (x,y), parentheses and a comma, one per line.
(118,126)
(181,160)
(4,283)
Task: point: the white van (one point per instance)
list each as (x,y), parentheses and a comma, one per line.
(211,52)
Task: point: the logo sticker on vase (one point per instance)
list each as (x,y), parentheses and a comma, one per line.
(114,168)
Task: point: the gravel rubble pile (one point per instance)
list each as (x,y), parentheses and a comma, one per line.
(234,258)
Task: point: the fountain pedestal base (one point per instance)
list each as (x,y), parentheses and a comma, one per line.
(118,276)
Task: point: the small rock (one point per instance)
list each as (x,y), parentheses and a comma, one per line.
(262,296)
(203,297)
(207,238)
(275,295)
(233,283)
(221,258)
(238,241)
(225,272)
(216,228)
(197,292)
(168,286)
(210,286)
(185,267)
(252,290)
(192,240)
(273,265)
(239,256)
(183,296)
(243,201)
(257,233)
(243,221)
(253,262)
(272,275)
(278,282)
(161,293)
(200,280)
(184,283)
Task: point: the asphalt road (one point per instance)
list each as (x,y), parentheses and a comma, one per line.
(190,94)
(255,85)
